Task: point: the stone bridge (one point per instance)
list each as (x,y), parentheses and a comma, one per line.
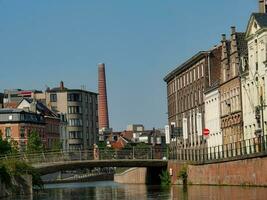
(51,167)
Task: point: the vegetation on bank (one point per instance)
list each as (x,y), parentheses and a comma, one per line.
(165,178)
(183,174)
(12,169)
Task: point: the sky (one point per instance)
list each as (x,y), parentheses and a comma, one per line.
(140,41)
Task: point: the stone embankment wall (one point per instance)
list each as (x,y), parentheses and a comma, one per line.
(132,176)
(174,169)
(246,172)
(251,172)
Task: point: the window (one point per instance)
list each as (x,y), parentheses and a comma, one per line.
(8,132)
(53,97)
(74,110)
(198,72)
(75,122)
(75,135)
(74,97)
(22,133)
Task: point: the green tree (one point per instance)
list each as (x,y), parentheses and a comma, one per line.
(14,146)
(35,144)
(56,145)
(165,178)
(5,147)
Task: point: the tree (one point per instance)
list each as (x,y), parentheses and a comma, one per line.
(35,144)
(56,145)
(5,147)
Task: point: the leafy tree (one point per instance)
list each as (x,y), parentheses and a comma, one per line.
(35,144)
(102,145)
(14,146)
(56,145)
(5,147)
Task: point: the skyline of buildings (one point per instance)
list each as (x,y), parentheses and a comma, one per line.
(234,103)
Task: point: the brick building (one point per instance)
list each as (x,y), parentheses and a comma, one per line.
(230,90)
(17,124)
(185,87)
(52,120)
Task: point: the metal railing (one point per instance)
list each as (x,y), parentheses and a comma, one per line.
(90,154)
(251,147)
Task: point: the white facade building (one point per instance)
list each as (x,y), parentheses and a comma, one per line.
(212,117)
(254,75)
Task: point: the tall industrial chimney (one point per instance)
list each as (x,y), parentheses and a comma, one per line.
(102,98)
(262,6)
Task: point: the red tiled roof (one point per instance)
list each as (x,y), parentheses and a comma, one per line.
(11,105)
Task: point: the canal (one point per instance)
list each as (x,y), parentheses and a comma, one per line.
(109,190)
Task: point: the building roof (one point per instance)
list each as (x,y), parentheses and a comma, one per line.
(127,135)
(186,64)
(11,110)
(261,18)
(43,109)
(242,46)
(12,104)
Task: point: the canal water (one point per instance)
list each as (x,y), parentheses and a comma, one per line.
(109,190)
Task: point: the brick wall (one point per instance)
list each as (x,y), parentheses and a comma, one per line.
(243,172)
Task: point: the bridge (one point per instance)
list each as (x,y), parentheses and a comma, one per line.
(54,161)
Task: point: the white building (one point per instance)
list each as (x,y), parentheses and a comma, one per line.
(212,118)
(254,75)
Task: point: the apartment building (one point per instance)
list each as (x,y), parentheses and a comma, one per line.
(80,108)
(254,76)
(230,91)
(185,87)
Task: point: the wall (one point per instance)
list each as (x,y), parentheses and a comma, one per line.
(242,172)
(212,118)
(132,176)
(21,185)
(174,167)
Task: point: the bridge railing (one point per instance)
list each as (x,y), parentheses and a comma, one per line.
(90,154)
(250,147)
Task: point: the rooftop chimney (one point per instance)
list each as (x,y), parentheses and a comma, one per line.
(233,29)
(223,37)
(262,6)
(102,98)
(61,85)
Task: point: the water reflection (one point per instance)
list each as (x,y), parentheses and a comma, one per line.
(114,191)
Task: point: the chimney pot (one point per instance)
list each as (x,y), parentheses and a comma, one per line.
(262,6)
(223,37)
(61,85)
(233,29)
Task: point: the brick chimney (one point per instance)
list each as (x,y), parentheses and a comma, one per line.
(102,98)
(262,6)
(61,85)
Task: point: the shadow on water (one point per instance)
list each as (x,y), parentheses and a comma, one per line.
(112,191)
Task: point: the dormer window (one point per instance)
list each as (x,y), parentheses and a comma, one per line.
(255,25)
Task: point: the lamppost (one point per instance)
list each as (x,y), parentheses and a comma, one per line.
(262,106)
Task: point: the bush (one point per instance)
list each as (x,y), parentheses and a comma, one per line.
(183,174)
(165,178)
(15,168)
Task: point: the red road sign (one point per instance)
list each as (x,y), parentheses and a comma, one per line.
(206,132)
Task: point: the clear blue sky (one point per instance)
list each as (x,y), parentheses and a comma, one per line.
(45,41)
